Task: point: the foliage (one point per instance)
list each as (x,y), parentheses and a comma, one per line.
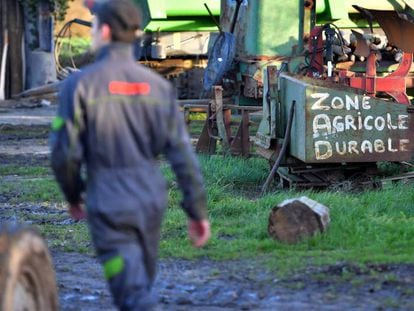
(59,7)
(74,52)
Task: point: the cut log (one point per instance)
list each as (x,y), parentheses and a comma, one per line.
(295,219)
(27,278)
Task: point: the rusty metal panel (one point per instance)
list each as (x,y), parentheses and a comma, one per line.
(399,28)
(336,124)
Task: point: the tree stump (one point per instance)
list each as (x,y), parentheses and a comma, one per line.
(27,278)
(295,219)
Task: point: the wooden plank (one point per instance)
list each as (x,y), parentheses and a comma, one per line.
(16,30)
(265,153)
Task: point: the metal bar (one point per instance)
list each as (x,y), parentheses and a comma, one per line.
(227,123)
(404,67)
(315,48)
(221,126)
(282,150)
(213,18)
(250,108)
(236,14)
(206,142)
(301,29)
(195,106)
(183,102)
(245,134)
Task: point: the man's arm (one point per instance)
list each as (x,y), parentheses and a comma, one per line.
(184,163)
(65,142)
(199,232)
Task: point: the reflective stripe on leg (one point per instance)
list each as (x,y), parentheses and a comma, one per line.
(113,267)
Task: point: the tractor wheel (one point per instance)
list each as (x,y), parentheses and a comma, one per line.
(27,278)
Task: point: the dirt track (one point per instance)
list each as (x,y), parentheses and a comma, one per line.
(203,284)
(241,285)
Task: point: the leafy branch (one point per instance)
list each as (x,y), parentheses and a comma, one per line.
(58,7)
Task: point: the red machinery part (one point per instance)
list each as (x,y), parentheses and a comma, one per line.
(394,84)
(316,52)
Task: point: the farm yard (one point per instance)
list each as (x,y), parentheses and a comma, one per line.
(364,261)
(319,107)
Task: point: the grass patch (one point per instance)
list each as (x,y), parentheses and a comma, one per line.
(41,189)
(232,174)
(18,132)
(195,128)
(69,238)
(24,171)
(363,230)
(366,227)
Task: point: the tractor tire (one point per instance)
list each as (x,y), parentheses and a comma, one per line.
(27,278)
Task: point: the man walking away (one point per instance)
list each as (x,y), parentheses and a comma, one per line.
(116,117)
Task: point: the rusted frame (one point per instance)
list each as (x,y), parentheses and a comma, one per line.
(218,127)
(207,141)
(240,144)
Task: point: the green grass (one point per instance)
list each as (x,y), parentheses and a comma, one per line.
(195,128)
(33,171)
(24,132)
(366,227)
(373,226)
(70,238)
(38,189)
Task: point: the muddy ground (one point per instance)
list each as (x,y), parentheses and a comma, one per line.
(203,284)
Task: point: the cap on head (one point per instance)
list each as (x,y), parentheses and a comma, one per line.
(123,17)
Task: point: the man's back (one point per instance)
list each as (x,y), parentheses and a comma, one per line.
(127,108)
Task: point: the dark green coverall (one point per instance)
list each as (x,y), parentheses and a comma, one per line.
(116,117)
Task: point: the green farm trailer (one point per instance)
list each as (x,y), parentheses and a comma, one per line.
(332,81)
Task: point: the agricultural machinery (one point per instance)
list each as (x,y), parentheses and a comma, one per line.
(332,80)
(327,82)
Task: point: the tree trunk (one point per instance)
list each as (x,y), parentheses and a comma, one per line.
(12,20)
(16,47)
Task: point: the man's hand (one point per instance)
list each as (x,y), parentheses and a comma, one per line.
(199,232)
(77,212)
